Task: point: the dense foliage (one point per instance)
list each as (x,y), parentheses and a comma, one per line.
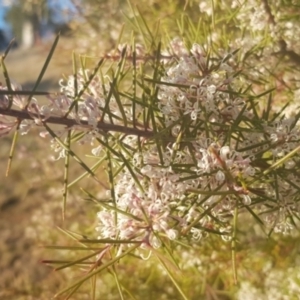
(197,129)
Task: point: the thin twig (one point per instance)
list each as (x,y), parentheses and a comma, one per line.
(25,115)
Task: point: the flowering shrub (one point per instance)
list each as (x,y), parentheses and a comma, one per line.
(188,147)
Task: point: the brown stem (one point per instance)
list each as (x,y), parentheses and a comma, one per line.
(25,115)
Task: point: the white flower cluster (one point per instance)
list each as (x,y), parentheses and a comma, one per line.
(174,186)
(157,202)
(209,152)
(191,89)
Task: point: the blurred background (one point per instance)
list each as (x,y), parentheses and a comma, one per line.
(33,25)
(30,197)
(33,22)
